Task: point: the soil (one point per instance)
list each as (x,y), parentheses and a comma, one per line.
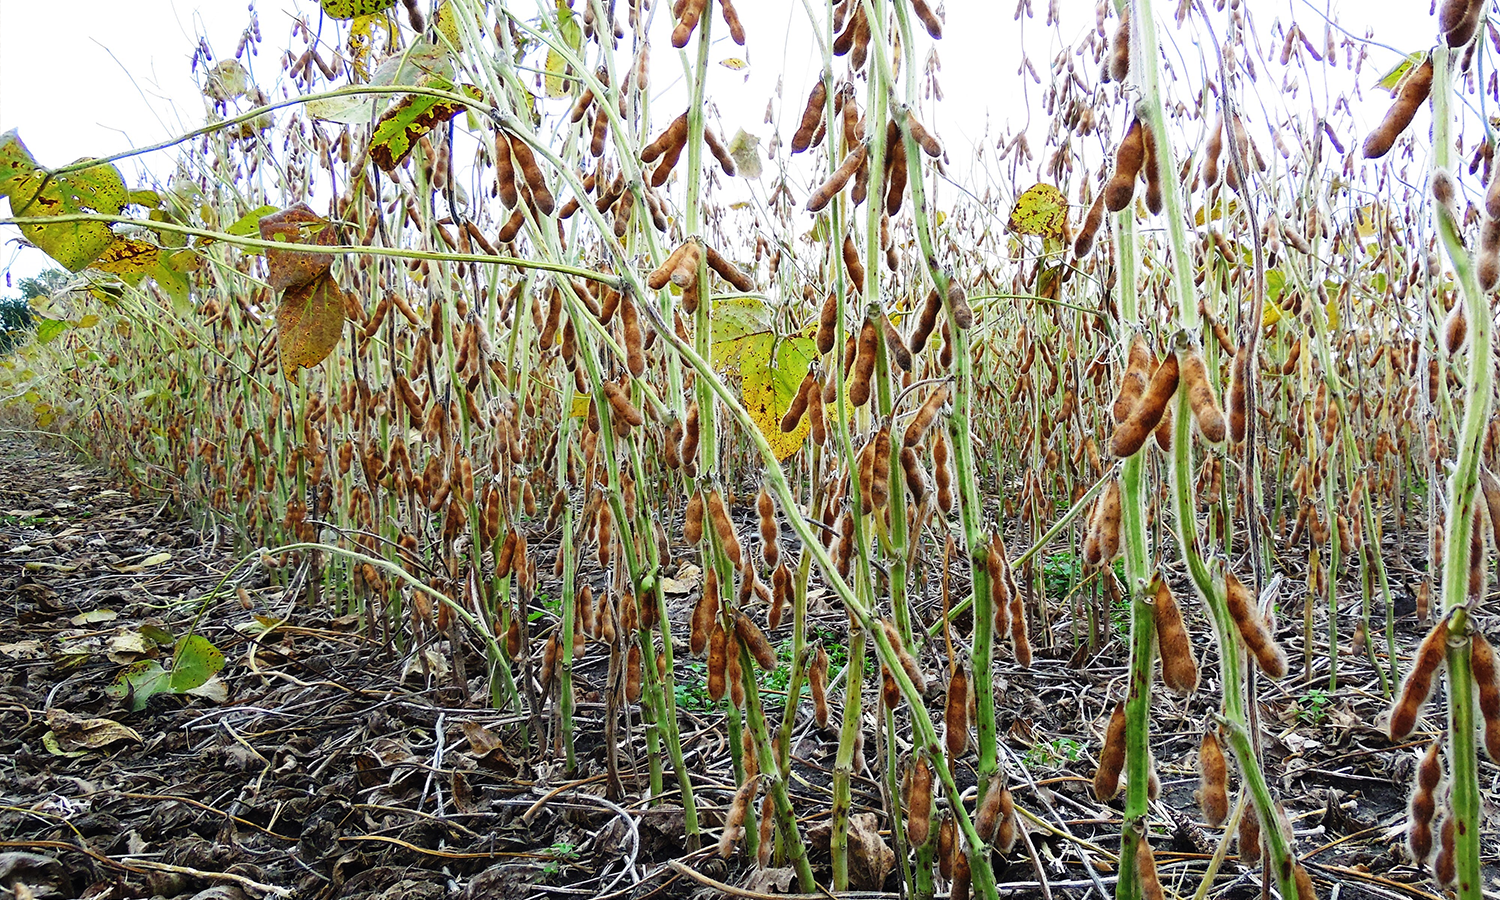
(319,764)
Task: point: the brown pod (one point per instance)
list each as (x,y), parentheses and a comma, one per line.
(917,428)
(734,672)
(1412,95)
(1212,153)
(903,656)
(817,684)
(947,842)
(768,802)
(1145,870)
(1119,51)
(755,640)
(1489,486)
(620,404)
(956,714)
(1131,434)
(818,429)
(915,475)
(1239,387)
(588,619)
(1105,530)
(717,661)
(994,556)
(1206,413)
(685,273)
(1253,627)
(1007,829)
(672,137)
(1487,685)
(1151,170)
(632,337)
(505,172)
(958,306)
(692,11)
(896,172)
(736,34)
(1213,780)
(690,441)
(1458,20)
(895,345)
(719,151)
(1445,864)
(705,614)
(890,691)
(1248,837)
(1487,257)
(728,271)
(828,323)
(880,470)
(692,520)
(1129,158)
(812,116)
(823,194)
(918,803)
(942,475)
(633,674)
(1133,384)
(504,559)
(793,416)
(1179,667)
(1292,356)
(1111,756)
(929,20)
(864,365)
(1093,220)
(1455,328)
(1417,687)
(926,321)
(1421,808)
(662,274)
(781,594)
(724,528)
(532,173)
(765,509)
(987,815)
(739,807)
(853,267)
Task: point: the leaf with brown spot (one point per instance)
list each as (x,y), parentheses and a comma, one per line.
(310,321)
(405,123)
(130,258)
(296,225)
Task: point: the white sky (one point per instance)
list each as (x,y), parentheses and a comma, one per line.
(93,77)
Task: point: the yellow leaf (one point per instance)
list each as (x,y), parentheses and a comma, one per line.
(735,63)
(1042,211)
(771,370)
(1270,314)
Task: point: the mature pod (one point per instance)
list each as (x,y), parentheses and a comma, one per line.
(916,476)
(689,450)
(818,429)
(728,270)
(1119,51)
(1111,756)
(1458,20)
(1489,486)
(692,11)
(1133,383)
(793,416)
(1249,836)
(926,414)
(718,653)
(734,820)
(633,674)
(1179,667)
(1445,864)
(631,335)
(958,306)
(1431,654)
(1411,96)
(1239,386)
(1212,152)
(956,714)
(1093,220)
(864,364)
(890,691)
(663,273)
(918,803)
(1152,170)
(781,594)
(1213,780)
(504,560)
(620,404)
(734,672)
(817,683)
(926,321)
(1487,257)
(532,173)
(941,473)
(1145,870)
(987,815)
(1304,882)
(505,172)
(1487,685)
(812,116)
(768,802)
(994,567)
(1131,434)
(1104,529)
(1007,829)
(908,662)
(718,514)
(947,840)
(1421,808)
(755,640)
(1129,158)
(1253,627)
(692,520)
(824,193)
(705,614)
(765,509)
(895,345)
(1200,395)
(671,138)
(685,273)
(880,470)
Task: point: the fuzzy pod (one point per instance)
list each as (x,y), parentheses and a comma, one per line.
(1253,628)
(1131,434)
(531,173)
(505,172)
(793,416)
(1487,256)
(1248,836)
(689,451)
(1145,870)
(817,684)
(958,306)
(904,657)
(928,18)
(734,672)
(1129,157)
(863,376)
(947,842)
(824,193)
(1304,882)
(918,801)
(685,273)
(765,509)
(1119,51)
(728,271)
(956,714)
(692,520)
(1179,666)
(736,34)
(1213,780)
(1138,367)
(1104,531)
(620,405)
(1212,151)
(588,619)
(781,594)
(1445,863)
(663,273)
(895,171)
(671,138)
(880,469)
(633,674)
(1152,170)
(1430,657)
(718,515)
(812,116)
(853,266)
(1093,220)
(818,426)
(1458,20)
(987,814)
(994,565)
(1239,392)
(1007,828)
(926,414)
(705,614)
(739,808)
(915,476)
(890,691)
(505,558)
(1412,95)
(1487,686)
(942,475)
(1111,756)
(755,640)
(1421,807)
(1489,486)
(896,347)
(828,323)
(926,321)
(1206,413)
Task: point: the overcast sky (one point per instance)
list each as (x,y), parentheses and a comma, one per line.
(93,77)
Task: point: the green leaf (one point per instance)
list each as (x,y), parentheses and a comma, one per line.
(572,33)
(405,123)
(195,662)
(249,223)
(49,330)
(349,9)
(139,683)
